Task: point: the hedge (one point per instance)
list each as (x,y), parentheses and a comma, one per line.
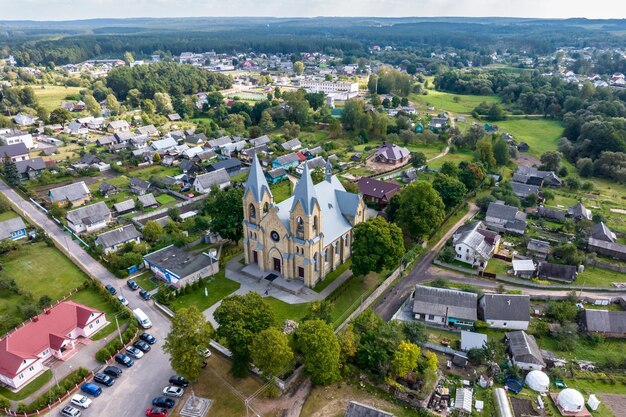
(53,394)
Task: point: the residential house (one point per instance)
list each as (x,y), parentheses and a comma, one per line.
(276,175)
(444,307)
(96,123)
(204,157)
(123,137)
(288,161)
(147,200)
(204,182)
(76,128)
(17,152)
(113,240)
(163,145)
(534,176)
(377,191)
(505,218)
(174,117)
(149,130)
(189,167)
(604,322)
(474,244)
(356,409)
(88,219)
(292,145)
(30,168)
(139,142)
(524,351)
(556,272)
(248,154)
(524,268)
(524,190)
(125,206)
(53,334)
(261,140)
(233,147)
(17,136)
(220,142)
(106,189)
(74,194)
(438,123)
(602,247)
(600,231)
(197,139)
(106,140)
(472,340)
(178,268)
(317,162)
(139,186)
(392,154)
(505,311)
(538,249)
(231,165)
(13,228)
(579,212)
(552,214)
(23,119)
(118,126)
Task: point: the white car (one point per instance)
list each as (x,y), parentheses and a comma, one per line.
(206,353)
(173,391)
(123,300)
(80,401)
(133,352)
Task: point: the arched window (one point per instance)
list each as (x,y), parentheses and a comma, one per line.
(266,208)
(299,225)
(252,211)
(315,225)
(315,261)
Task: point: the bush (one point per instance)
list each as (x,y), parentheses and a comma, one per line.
(4,403)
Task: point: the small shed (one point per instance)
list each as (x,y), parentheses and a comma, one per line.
(463,400)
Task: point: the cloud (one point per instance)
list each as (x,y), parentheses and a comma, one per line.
(85,9)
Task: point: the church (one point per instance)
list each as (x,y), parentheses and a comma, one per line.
(304,237)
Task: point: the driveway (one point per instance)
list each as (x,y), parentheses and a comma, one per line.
(131,395)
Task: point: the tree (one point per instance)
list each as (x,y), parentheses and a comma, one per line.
(113,105)
(9,170)
(449,169)
(334,128)
(551,161)
(405,358)
(418,159)
(561,311)
(93,107)
(320,350)
(472,176)
(501,152)
(152,231)
(270,351)
(60,116)
(266,123)
(240,318)
(156,158)
(421,209)
(484,153)
(226,210)
(291,130)
(185,343)
(133,98)
(415,331)
(128,58)
(163,103)
(320,310)
(451,190)
(377,245)
(298,67)
(318,175)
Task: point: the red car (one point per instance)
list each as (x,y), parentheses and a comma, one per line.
(156,412)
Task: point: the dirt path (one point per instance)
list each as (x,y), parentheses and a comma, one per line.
(447,150)
(289,405)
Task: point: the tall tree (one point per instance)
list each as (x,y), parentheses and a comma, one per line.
(93,107)
(418,159)
(163,103)
(320,350)
(60,116)
(241,317)
(484,153)
(152,231)
(113,105)
(451,190)
(421,209)
(405,358)
(501,152)
(270,351)
(377,245)
(10,172)
(266,123)
(551,160)
(185,343)
(226,210)
(298,67)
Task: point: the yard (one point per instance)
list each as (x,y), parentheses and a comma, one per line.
(455,158)
(498,266)
(29,389)
(145,281)
(91,298)
(598,277)
(446,101)
(154,170)
(51,96)
(540,134)
(281,190)
(165,199)
(218,288)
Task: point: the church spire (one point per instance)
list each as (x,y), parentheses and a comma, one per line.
(329,171)
(305,192)
(256,181)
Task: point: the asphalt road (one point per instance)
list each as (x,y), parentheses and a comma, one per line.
(132,393)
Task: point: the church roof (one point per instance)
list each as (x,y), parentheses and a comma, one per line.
(256,181)
(304,193)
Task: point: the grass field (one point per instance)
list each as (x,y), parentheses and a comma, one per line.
(154,170)
(332,276)
(455,158)
(91,298)
(446,101)
(219,287)
(281,190)
(498,266)
(165,199)
(541,134)
(51,96)
(597,277)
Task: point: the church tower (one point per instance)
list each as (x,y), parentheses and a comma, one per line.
(257,197)
(305,214)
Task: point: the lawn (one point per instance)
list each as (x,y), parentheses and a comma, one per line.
(455,158)
(9,214)
(281,190)
(91,298)
(611,350)
(145,281)
(154,170)
(446,226)
(218,288)
(165,199)
(29,389)
(51,96)
(498,266)
(540,134)
(283,311)
(598,277)
(446,101)
(332,276)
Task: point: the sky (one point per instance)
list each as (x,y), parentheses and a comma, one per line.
(89,9)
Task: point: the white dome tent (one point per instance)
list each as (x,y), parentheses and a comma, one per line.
(570,400)
(538,381)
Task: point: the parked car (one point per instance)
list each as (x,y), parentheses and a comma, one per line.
(103,379)
(124,360)
(123,300)
(70,411)
(206,353)
(142,346)
(133,352)
(111,289)
(147,337)
(179,381)
(113,371)
(156,412)
(132,285)
(190,195)
(145,295)
(81,401)
(91,389)
(173,391)
(163,402)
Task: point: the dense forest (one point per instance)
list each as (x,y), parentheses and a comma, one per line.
(70,42)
